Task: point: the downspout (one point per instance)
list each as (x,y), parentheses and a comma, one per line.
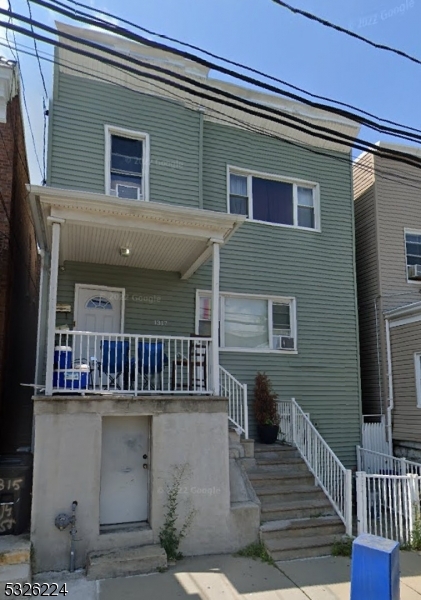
(379,369)
(390,382)
(201,112)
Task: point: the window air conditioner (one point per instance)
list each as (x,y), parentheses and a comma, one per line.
(414,272)
(130,192)
(283,342)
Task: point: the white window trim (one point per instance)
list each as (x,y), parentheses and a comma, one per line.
(417,364)
(295,182)
(277,299)
(411,232)
(135,135)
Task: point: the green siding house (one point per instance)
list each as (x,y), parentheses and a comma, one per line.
(156,206)
(187,245)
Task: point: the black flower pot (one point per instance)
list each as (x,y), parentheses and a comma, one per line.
(268,434)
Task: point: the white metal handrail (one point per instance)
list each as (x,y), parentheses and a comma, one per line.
(285,421)
(388,505)
(236,393)
(384,464)
(98,363)
(330,474)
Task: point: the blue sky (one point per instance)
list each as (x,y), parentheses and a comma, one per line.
(267,37)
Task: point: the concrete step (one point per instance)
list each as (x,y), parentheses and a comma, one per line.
(275,452)
(300,547)
(267,464)
(279,493)
(15,550)
(280,476)
(13,573)
(125,561)
(289,528)
(297,509)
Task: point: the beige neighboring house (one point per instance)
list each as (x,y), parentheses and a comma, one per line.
(387,197)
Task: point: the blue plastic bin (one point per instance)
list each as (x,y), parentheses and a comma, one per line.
(73,379)
(63,357)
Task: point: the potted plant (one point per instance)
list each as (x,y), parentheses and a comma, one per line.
(265,409)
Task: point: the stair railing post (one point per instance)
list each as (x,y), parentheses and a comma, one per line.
(293,422)
(246,415)
(361,502)
(348,502)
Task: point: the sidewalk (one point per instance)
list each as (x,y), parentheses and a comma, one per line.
(226,577)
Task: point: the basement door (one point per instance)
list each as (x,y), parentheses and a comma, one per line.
(124,470)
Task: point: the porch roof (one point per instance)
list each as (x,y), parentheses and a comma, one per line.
(160,236)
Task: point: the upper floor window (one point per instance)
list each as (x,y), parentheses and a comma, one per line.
(127,163)
(413,255)
(250,322)
(270,199)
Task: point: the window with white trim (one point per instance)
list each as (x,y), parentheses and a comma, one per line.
(413,254)
(127,163)
(270,199)
(250,322)
(417,361)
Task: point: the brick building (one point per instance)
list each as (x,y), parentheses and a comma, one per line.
(19,272)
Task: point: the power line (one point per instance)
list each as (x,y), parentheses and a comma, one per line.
(37,55)
(314,17)
(87,19)
(386,175)
(239,103)
(22,87)
(211,54)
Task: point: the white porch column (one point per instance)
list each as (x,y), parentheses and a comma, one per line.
(215,317)
(52,303)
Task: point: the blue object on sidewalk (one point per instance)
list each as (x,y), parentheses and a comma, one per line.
(375,568)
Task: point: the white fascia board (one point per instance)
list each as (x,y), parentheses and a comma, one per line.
(409,310)
(208,222)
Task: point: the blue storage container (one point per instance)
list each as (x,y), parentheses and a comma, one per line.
(63,357)
(72,379)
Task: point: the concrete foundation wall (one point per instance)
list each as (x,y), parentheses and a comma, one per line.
(184,431)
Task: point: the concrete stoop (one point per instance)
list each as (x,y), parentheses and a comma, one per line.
(125,561)
(297,519)
(15,561)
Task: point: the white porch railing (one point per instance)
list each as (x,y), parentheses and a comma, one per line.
(388,505)
(330,474)
(285,423)
(236,393)
(384,464)
(98,363)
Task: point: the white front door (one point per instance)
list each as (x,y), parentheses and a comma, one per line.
(124,470)
(98,310)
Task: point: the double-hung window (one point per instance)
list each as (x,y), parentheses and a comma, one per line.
(126,163)
(270,199)
(413,255)
(250,322)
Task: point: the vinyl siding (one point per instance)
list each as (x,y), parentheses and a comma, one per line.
(398,207)
(77,142)
(405,341)
(318,269)
(370,316)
